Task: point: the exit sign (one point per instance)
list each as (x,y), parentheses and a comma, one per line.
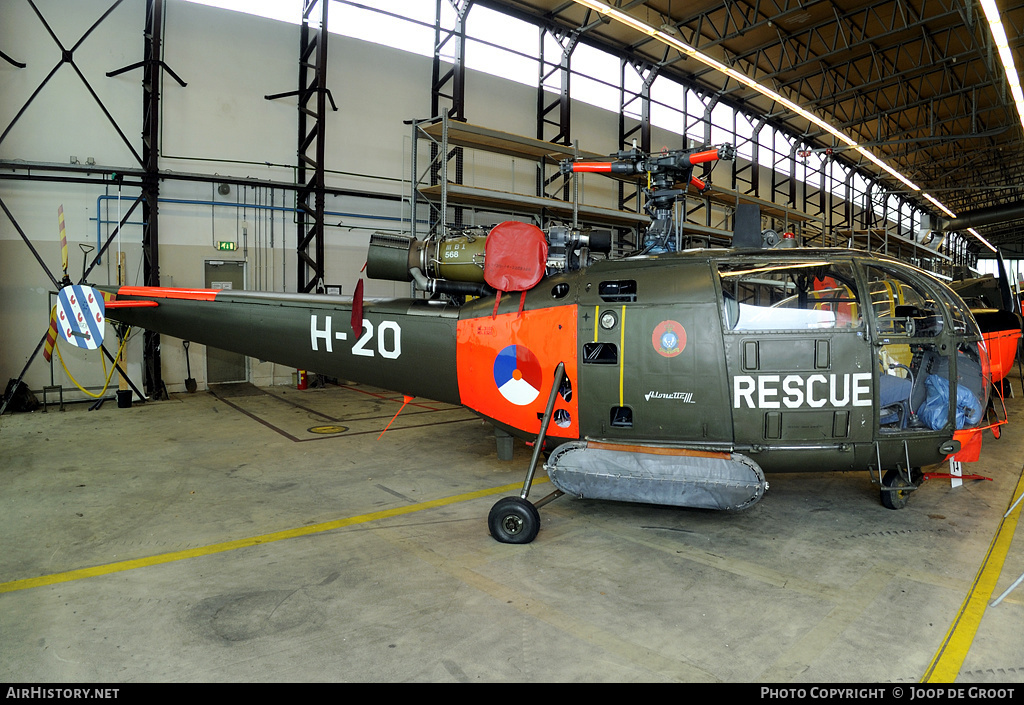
(225,245)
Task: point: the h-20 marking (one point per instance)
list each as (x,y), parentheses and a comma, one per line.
(368,345)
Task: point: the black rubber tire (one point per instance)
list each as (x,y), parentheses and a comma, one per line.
(895,499)
(513,520)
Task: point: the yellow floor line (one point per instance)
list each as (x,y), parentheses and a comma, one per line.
(121,566)
(945,666)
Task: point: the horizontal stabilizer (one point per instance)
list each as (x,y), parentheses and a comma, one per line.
(131,304)
(163,292)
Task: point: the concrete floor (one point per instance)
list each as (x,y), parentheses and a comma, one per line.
(268,535)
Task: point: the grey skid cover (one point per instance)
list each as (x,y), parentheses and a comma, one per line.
(655,475)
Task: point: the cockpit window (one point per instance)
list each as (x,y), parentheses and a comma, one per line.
(915,362)
(807,295)
(900,309)
(963,321)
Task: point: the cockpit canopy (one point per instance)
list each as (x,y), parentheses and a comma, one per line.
(926,340)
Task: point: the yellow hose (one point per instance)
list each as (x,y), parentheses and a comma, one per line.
(109,374)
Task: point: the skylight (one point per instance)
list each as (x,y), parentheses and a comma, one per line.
(283,10)
(508,47)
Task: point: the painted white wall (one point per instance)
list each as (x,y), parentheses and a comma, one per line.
(220,123)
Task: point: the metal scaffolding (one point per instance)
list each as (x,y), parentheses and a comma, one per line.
(146,177)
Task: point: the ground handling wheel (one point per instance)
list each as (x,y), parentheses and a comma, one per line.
(898,493)
(513,520)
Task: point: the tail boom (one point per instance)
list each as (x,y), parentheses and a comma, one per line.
(405,345)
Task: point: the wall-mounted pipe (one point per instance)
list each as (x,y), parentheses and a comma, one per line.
(194,202)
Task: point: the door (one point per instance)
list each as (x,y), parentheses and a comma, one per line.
(800,365)
(221,365)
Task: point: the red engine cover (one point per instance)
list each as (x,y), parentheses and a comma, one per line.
(515,256)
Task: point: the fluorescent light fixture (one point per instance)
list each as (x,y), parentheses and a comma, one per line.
(1005,55)
(982,240)
(732,73)
(939,205)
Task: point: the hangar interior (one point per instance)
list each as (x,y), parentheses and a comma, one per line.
(252,531)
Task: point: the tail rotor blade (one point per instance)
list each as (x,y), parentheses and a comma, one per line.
(51,335)
(63,240)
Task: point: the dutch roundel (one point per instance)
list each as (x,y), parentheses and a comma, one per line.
(517,374)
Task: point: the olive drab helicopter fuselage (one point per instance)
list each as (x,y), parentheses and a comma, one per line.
(670,378)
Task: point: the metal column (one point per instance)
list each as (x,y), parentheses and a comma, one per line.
(448,93)
(554,115)
(312,131)
(153,378)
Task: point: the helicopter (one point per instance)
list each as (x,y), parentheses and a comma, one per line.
(667,378)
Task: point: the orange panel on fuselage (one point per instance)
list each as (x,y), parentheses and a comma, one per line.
(506,366)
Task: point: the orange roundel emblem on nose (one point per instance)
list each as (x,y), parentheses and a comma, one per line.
(669,338)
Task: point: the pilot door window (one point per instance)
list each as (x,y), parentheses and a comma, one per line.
(899,309)
(812,295)
(913,370)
